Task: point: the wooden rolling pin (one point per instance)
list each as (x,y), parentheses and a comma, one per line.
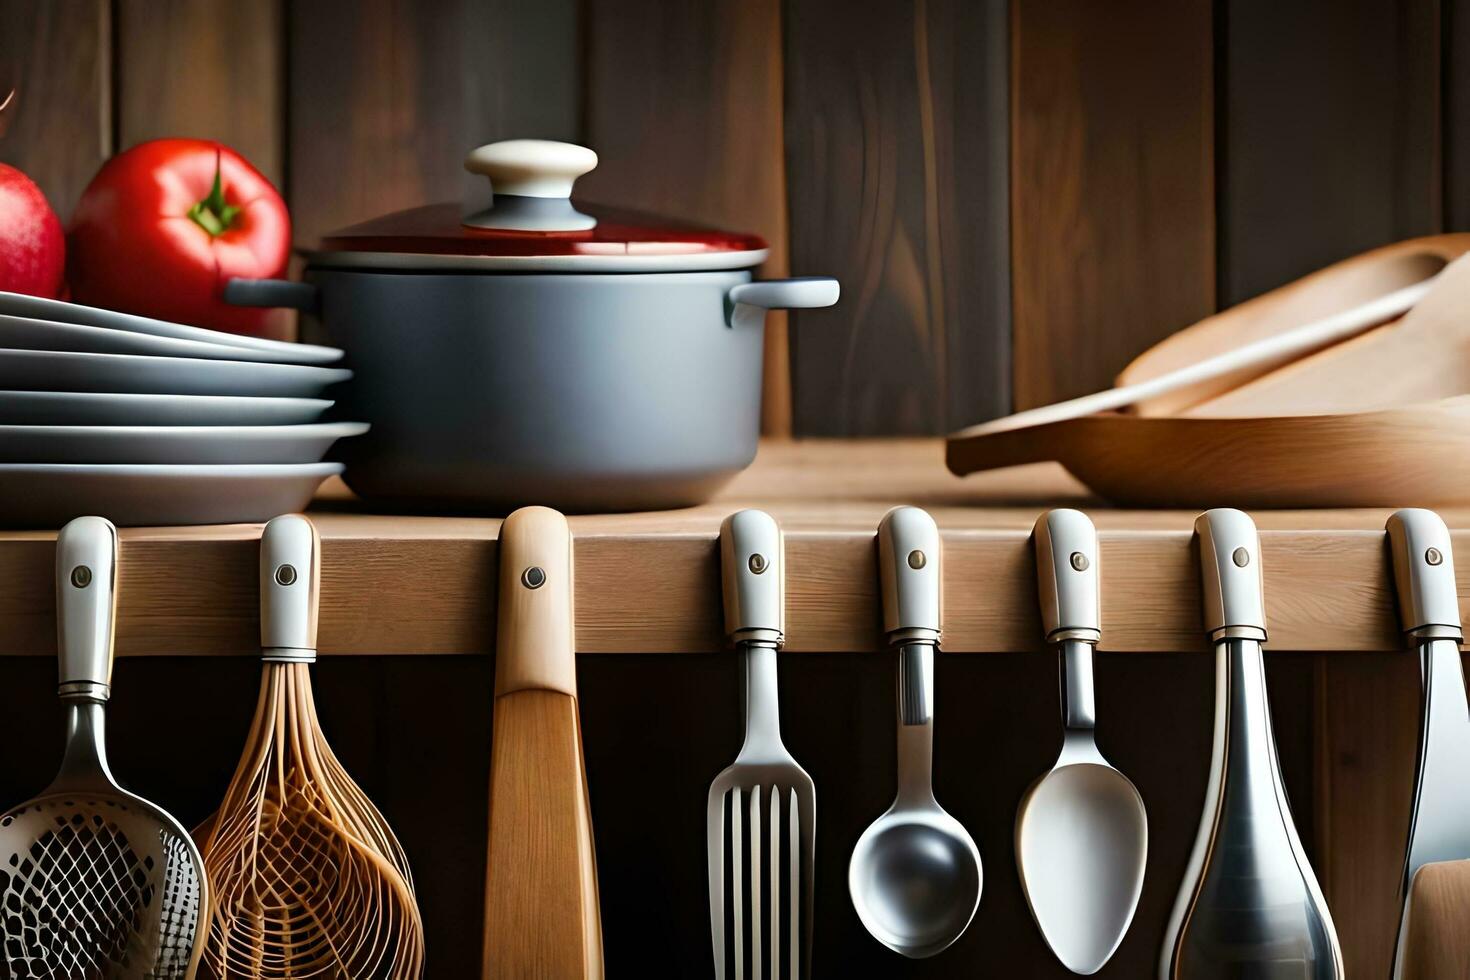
(1437,944)
(541,907)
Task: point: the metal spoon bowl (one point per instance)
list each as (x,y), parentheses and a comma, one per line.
(1082,842)
(915,874)
(1081,829)
(915,880)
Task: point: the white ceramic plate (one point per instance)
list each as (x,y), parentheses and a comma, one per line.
(47,370)
(15,304)
(47,495)
(26,333)
(172,444)
(104,408)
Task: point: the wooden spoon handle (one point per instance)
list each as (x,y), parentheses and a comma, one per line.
(541,901)
(970,451)
(535,635)
(1344,284)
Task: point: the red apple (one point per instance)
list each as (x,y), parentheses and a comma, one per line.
(32,245)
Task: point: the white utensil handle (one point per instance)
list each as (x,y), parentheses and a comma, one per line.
(1424,574)
(908,565)
(86,602)
(753,574)
(1282,346)
(1067,576)
(290,570)
(1230,572)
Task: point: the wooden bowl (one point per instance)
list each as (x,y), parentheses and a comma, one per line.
(1415,455)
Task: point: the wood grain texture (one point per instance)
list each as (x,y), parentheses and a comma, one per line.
(651,582)
(1392,457)
(684,109)
(58,57)
(1367,737)
(541,906)
(896,162)
(1330,121)
(1112,186)
(1438,944)
(211,69)
(387,97)
(1418,359)
(1325,293)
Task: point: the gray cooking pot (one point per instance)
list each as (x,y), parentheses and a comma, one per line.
(616,367)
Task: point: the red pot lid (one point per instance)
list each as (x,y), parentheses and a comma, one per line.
(533,226)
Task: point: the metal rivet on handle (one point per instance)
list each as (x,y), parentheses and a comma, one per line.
(1433,556)
(286,574)
(1241,557)
(757,563)
(533,577)
(1079,561)
(917,559)
(81,576)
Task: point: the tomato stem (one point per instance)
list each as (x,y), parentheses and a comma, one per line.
(213,214)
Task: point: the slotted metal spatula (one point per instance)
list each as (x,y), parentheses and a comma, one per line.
(760,887)
(95,882)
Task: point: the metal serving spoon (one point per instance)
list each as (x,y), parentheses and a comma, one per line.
(915,872)
(1249,905)
(1081,829)
(1429,611)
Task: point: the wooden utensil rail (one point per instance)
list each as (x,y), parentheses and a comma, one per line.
(650,582)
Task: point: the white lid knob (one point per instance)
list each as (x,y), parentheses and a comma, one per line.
(531,168)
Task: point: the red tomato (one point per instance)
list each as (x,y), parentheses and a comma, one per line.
(163,226)
(32,248)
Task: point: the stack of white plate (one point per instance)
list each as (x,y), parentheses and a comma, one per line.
(147,422)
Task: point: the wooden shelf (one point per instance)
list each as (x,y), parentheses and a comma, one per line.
(650,582)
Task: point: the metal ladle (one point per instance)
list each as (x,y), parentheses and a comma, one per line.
(1081,829)
(915,873)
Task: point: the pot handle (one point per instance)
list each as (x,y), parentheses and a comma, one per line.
(751,300)
(301,296)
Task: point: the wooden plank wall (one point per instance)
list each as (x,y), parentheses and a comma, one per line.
(1018,197)
(895,146)
(712,74)
(938,156)
(1113,186)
